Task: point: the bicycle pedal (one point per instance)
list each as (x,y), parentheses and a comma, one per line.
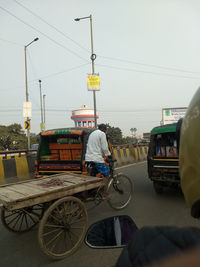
(88,199)
(98,198)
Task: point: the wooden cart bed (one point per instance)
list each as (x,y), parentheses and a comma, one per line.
(32,192)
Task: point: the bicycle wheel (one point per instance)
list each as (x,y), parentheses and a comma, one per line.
(120,189)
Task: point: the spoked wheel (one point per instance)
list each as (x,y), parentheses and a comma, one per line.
(120,189)
(63,227)
(22,220)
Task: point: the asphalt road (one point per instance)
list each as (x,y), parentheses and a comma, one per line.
(146,208)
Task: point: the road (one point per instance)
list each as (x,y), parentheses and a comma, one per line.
(146,208)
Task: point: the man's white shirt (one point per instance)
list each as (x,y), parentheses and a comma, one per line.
(97,146)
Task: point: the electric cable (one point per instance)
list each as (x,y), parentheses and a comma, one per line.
(148,65)
(11,42)
(148,72)
(47,76)
(50,25)
(64,71)
(44,34)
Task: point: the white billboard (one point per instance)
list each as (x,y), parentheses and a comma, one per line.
(171,115)
(27,109)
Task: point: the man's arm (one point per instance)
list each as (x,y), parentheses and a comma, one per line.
(104,145)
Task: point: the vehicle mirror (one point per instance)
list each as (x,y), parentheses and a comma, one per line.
(112,232)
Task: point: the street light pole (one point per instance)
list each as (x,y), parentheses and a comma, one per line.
(41,106)
(44,110)
(93,57)
(26,84)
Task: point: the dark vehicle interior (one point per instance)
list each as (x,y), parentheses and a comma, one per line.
(165,145)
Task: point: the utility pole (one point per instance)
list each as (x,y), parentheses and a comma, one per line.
(93,57)
(26,85)
(41,107)
(44,115)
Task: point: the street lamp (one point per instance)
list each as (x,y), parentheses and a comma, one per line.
(26,84)
(44,115)
(41,107)
(93,57)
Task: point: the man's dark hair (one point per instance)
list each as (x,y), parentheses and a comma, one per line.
(102,127)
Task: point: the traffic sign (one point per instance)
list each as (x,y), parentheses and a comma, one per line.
(27,125)
(27,109)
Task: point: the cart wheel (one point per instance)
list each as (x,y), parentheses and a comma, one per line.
(63,227)
(22,220)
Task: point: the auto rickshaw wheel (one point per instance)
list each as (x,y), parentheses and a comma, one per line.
(158,187)
(63,227)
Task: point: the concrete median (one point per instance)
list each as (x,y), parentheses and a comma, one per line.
(129,154)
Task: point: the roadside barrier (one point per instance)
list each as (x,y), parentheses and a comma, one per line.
(129,154)
(17,167)
(20,166)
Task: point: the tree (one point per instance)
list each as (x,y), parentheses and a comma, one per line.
(12,137)
(127,140)
(115,135)
(15,128)
(133,131)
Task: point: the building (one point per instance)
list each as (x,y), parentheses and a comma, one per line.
(83,117)
(146,136)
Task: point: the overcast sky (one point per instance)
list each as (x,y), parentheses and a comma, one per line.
(147,58)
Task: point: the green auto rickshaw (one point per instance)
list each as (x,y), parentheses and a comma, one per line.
(163,156)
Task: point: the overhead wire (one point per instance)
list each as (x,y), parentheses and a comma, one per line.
(44,34)
(113,67)
(64,71)
(149,72)
(101,65)
(148,65)
(110,58)
(11,42)
(47,76)
(52,26)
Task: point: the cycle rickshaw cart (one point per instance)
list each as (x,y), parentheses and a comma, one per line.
(57,203)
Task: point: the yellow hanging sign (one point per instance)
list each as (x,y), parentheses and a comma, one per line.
(93,82)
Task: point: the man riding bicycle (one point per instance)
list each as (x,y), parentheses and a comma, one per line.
(97,148)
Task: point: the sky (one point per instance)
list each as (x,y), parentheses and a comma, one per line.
(147,58)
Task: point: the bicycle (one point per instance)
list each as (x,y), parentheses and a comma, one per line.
(119,187)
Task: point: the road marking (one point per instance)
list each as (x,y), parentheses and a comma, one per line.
(137,163)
